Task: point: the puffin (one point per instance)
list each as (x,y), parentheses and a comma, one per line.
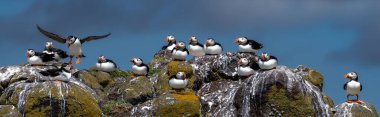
(248,46)
(212,48)
(195,48)
(38,58)
(244,69)
(267,62)
(105,65)
(64,70)
(353,87)
(73,43)
(170,39)
(180,52)
(178,81)
(139,68)
(58,53)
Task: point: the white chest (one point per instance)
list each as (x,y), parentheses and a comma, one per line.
(170,47)
(270,64)
(68,75)
(76,48)
(196,50)
(353,88)
(34,60)
(107,67)
(139,70)
(216,49)
(178,54)
(246,48)
(178,83)
(245,71)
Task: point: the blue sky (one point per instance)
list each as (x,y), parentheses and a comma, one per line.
(334,37)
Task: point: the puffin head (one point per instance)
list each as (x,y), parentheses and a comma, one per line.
(30,53)
(170,39)
(67,67)
(243,62)
(352,76)
(71,40)
(101,59)
(180,45)
(210,42)
(193,40)
(265,56)
(49,45)
(180,75)
(241,40)
(136,61)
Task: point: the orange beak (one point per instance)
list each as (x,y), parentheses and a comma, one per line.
(191,40)
(132,61)
(27,54)
(176,46)
(239,62)
(236,40)
(263,57)
(166,40)
(184,76)
(346,76)
(207,44)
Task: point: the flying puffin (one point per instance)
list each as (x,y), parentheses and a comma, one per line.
(139,68)
(353,87)
(244,69)
(195,48)
(212,48)
(267,62)
(38,58)
(64,70)
(180,52)
(73,43)
(170,39)
(58,53)
(246,45)
(105,65)
(178,81)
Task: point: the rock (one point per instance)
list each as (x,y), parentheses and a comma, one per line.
(103,78)
(9,111)
(137,90)
(177,104)
(310,75)
(160,60)
(355,110)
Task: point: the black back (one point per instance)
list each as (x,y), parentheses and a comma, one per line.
(255,45)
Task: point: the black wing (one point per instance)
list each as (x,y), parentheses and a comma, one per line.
(361,87)
(345,86)
(107,60)
(50,72)
(187,51)
(272,57)
(219,45)
(61,53)
(255,45)
(164,47)
(90,38)
(199,44)
(51,35)
(45,57)
(147,68)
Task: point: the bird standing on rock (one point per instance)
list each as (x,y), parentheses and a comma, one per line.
(57,53)
(38,58)
(267,62)
(139,68)
(105,65)
(195,48)
(180,52)
(212,47)
(246,45)
(178,81)
(170,39)
(353,87)
(73,43)
(244,69)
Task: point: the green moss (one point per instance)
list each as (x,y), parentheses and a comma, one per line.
(296,105)
(113,107)
(315,78)
(137,90)
(185,105)
(9,111)
(179,66)
(120,73)
(328,100)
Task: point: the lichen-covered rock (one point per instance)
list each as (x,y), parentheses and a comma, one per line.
(355,110)
(9,111)
(177,104)
(315,77)
(160,60)
(137,90)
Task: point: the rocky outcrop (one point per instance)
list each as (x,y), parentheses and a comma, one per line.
(9,111)
(354,109)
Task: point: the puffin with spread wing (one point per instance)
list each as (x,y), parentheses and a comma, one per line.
(73,43)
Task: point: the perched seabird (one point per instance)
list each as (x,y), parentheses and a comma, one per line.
(37,58)
(139,68)
(64,70)
(58,53)
(267,62)
(180,52)
(353,87)
(246,45)
(244,69)
(178,81)
(170,39)
(212,47)
(73,43)
(195,48)
(105,65)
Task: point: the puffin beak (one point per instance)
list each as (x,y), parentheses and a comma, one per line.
(263,57)
(132,61)
(236,40)
(166,40)
(184,76)
(176,46)
(207,43)
(346,76)
(239,62)
(190,39)
(27,54)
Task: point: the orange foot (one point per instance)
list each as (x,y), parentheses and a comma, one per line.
(70,62)
(78,61)
(359,101)
(57,81)
(349,101)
